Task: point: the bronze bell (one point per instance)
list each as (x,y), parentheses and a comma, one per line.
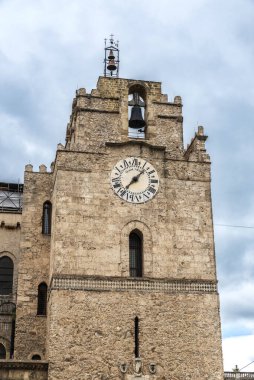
(136,119)
(111,55)
(111,65)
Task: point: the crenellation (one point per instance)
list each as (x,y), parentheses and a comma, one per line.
(60,146)
(81,92)
(29,168)
(43,169)
(178,100)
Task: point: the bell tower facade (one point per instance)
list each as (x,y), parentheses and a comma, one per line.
(128,254)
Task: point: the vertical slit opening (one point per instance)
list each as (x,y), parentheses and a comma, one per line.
(136,333)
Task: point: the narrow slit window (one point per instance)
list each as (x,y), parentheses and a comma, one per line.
(136,333)
(135,251)
(46,218)
(42,299)
(6,275)
(12,338)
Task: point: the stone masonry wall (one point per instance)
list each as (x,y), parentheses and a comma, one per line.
(91,333)
(92,224)
(33,268)
(179,329)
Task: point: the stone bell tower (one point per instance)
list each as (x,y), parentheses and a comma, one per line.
(128,253)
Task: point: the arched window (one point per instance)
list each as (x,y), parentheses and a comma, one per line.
(36,357)
(6,275)
(135,251)
(42,299)
(46,218)
(2,351)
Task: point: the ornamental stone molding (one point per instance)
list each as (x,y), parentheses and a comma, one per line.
(86,283)
(29,364)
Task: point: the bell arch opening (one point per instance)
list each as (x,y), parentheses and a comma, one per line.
(137,112)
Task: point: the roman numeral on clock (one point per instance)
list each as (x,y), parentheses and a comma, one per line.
(151,190)
(116,182)
(135,162)
(137,198)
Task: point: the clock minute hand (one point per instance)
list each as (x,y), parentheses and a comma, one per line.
(137,176)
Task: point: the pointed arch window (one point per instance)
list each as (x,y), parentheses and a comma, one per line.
(42,299)
(135,253)
(46,218)
(2,351)
(6,275)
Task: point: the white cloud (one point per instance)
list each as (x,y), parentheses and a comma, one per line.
(238,351)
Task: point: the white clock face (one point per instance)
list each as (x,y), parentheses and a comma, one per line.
(134,180)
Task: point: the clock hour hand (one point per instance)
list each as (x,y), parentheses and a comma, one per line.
(134,179)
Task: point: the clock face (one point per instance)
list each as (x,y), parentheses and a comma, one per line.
(134,180)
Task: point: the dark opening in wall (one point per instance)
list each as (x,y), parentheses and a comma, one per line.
(46,218)
(36,357)
(42,299)
(6,275)
(135,253)
(136,322)
(2,351)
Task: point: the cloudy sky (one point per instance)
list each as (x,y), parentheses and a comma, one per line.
(202,50)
